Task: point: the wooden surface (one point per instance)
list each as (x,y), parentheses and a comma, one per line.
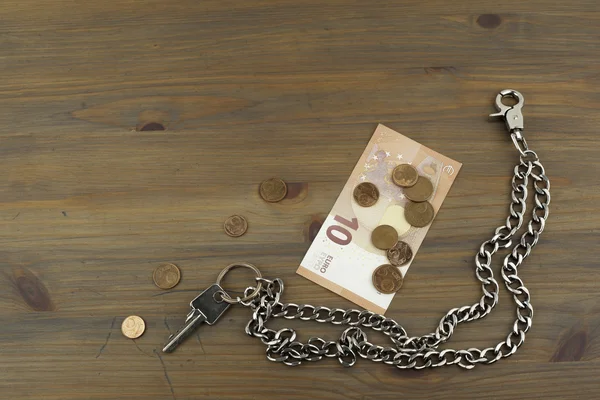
(95,194)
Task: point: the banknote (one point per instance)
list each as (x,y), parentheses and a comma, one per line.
(342,257)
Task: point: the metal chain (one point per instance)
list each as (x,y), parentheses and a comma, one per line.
(420,352)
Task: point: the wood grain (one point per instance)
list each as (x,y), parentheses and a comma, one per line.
(131,129)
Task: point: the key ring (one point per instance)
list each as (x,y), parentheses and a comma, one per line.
(225,296)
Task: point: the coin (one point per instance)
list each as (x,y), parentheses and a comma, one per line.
(419,214)
(166,276)
(387,279)
(235,226)
(133,327)
(400,254)
(420,191)
(384,237)
(405,175)
(272,190)
(366,194)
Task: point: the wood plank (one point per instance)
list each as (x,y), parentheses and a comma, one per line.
(131,129)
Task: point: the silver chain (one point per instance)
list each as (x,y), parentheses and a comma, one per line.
(420,352)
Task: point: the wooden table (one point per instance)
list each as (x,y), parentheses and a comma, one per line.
(132,129)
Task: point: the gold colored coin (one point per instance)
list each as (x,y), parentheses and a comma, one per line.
(405,175)
(384,237)
(420,191)
(235,226)
(366,194)
(400,254)
(387,279)
(166,276)
(272,190)
(133,327)
(419,214)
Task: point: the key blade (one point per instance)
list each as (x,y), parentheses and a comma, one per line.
(194,318)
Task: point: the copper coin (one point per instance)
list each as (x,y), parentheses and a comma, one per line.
(166,276)
(366,194)
(272,190)
(405,175)
(133,327)
(387,279)
(419,214)
(420,191)
(400,254)
(384,237)
(235,226)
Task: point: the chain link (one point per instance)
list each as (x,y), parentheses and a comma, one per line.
(413,352)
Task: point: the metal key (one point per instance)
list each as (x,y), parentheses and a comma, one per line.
(205,309)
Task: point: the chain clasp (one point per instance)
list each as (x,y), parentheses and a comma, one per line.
(511,114)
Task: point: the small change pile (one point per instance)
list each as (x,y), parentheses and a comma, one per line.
(272,191)
(418,213)
(165,276)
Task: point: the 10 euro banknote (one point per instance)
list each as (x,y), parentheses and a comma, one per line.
(342,257)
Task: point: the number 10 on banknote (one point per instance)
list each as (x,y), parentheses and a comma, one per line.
(342,257)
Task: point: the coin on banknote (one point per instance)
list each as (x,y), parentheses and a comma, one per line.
(419,214)
(384,237)
(400,254)
(387,279)
(272,190)
(235,226)
(405,175)
(133,327)
(166,276)
(420,191)
(366,194)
